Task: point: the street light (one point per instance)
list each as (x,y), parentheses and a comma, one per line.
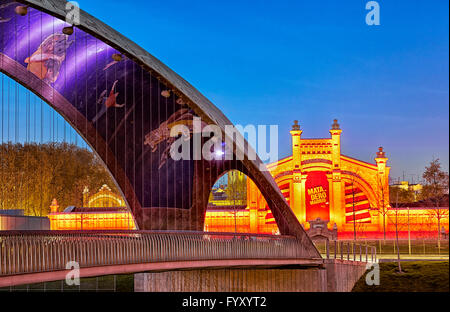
(219,154)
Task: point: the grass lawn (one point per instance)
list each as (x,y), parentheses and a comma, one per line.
(420,276)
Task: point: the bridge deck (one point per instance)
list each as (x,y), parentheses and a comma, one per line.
(30,257)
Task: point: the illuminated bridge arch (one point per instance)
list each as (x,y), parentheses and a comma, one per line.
(123,102)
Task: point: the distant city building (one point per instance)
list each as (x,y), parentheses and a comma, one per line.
(406,186)
(219,197)
(104,210)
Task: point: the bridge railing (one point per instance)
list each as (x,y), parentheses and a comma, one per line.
(351,251)
(33,252)
(347,250)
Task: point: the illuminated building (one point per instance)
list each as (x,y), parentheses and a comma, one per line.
(102,211)
(319,182)
(240,220)
(225,214)
(328,189)
(103,198)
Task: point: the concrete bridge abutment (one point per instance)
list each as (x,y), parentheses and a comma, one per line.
(332,276)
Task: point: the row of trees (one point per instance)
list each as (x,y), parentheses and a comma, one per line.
(436,185)
(434,194)
(33,174)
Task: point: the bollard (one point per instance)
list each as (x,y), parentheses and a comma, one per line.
(348,251)
(367,253)
(360,253)
(341,246)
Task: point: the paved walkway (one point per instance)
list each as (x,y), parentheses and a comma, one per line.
(393,257)
(413,257)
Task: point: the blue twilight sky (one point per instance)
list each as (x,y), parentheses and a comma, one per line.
(270,62)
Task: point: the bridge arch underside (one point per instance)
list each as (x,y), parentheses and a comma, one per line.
(125,103)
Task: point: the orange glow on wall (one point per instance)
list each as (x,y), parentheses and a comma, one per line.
(317,196)
(91,221)
(224,220)
(99,213)
(317,181)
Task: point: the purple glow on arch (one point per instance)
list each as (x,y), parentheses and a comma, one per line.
(99,90)
(30,40)
(80,58)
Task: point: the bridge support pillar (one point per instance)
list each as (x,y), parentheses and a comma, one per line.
(333,275)
(233,280)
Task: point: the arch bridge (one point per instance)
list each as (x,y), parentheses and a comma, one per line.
(124,103)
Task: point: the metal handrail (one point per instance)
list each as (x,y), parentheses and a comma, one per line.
(350,251)
(44,251)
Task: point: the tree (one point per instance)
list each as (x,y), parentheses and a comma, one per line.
(33,174)
(395,194)
(237,187)
(404,196)
(433,192)
(382,204)
(352,181)
(236,191)
(361,229)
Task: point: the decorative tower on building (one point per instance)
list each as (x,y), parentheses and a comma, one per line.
(54,207)
(86,197)
(382,178)
(337,207)
(298,184)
